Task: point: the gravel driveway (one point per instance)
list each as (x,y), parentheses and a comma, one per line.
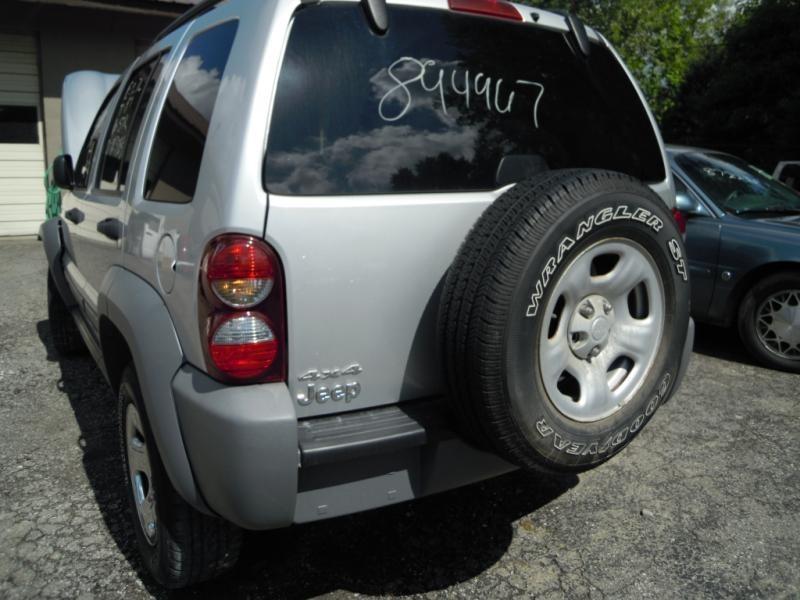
(704,503)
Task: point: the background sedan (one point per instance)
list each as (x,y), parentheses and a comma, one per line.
(743,245)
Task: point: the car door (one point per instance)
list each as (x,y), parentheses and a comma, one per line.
(76,207)
(101,231)
(702,248)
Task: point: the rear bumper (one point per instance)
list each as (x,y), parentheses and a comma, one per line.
(257,466)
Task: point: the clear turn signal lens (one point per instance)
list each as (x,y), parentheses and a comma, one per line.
(243,346)
(242,293)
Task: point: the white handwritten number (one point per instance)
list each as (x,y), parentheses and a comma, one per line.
(439,85)
(465,91)
(538,98)
(407,70)
(401,85)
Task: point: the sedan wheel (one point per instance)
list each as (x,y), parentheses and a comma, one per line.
(778,324)
(769,321)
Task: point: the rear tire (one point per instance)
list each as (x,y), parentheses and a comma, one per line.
(66,337)
(767,321)
(179,545)
(572,274)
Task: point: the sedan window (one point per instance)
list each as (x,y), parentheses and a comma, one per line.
(737,187)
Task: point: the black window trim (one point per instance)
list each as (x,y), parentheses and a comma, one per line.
(111,97)
(144,60)
(698,194)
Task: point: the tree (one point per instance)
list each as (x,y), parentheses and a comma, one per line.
(745,96)
(659,41)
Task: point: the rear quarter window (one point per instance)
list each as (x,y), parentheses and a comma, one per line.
(440,100)
(174,163)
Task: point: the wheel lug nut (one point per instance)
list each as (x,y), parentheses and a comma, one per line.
(595,351)
(586,310)
(606,307)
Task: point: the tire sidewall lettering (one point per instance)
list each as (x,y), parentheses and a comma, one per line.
(612,442)
(586,226)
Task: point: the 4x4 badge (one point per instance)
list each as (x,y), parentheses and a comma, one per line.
(317,374)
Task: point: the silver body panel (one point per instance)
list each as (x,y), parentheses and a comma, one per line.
(363,276)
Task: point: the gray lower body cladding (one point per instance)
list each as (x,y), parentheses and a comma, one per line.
(260,468)
(254,469)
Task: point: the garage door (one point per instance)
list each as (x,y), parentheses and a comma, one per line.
(22,194)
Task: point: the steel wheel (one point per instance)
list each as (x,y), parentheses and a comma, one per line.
(140,474)
(606,319)
(778,324)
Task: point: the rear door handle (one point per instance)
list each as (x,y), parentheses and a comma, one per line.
(75,215)
(111,228)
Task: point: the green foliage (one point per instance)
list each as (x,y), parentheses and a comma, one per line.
(745,96)
(658,40)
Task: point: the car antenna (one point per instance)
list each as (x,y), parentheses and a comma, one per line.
(376,15)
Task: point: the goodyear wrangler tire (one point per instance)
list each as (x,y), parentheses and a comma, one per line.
(563,318)
(179,545)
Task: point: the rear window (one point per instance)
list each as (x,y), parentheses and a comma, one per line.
(440,100)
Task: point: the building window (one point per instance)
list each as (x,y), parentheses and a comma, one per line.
(19,125)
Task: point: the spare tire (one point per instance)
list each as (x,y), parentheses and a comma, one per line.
(563,318)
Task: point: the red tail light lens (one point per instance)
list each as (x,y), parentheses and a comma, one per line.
(680,219)
(242,310)
(492,8)
(240,270)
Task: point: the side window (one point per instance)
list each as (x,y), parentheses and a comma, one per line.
(125,125)
(84,164)
(174,163)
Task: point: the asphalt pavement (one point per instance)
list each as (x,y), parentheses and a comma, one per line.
(703,504)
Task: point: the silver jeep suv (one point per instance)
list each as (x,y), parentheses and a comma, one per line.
(334,255)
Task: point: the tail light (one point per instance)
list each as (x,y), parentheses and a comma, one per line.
(242,310)
(680,219)
(492,8)
(240,271)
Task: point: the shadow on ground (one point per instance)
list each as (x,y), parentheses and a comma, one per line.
(722,343)
(409,548)
(95,410)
